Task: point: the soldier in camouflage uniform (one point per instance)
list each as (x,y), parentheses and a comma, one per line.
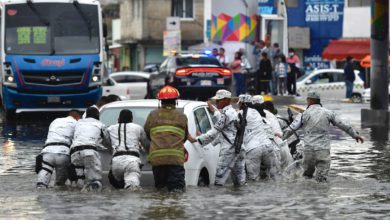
(225,131)
(315,122)
(258,145)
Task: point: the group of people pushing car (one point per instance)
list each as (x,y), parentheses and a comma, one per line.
(252,143)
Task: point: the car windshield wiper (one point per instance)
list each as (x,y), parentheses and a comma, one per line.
(85,18)
(45,22)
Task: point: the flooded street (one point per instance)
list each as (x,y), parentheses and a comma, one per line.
(359,186)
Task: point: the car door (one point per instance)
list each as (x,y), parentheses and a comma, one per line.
(210,153)
(109,87)
(320,83)
(337,83)
(120,89)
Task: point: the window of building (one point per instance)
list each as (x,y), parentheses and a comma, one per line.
(183,8)
(291,3)
(359,3)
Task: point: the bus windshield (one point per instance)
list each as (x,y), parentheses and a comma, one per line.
(51,28)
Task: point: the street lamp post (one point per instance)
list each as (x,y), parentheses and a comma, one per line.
(379,114)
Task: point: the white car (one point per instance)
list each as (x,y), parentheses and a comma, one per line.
(126,85)
(330,83)
(367,95)
(201,164)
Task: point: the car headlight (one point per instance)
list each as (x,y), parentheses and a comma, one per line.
(95,78)
(10,79)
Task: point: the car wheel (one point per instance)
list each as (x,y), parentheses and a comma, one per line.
(203,179)
(356,98)
(10,114)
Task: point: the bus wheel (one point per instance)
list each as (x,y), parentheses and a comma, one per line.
(10,114)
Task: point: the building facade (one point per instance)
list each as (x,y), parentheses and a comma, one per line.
(337,28)
(144,21)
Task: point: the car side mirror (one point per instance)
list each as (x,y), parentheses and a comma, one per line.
(308,82)
(156,68)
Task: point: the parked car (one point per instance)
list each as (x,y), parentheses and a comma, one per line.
(126,85)
(367,95)
(201,163)
(196,76)
(151,67)
(330,83)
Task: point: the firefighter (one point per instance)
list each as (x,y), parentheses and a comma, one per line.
(126,138)
(315,122)
(225,132)
(90,136)
(55,154)
(167,129)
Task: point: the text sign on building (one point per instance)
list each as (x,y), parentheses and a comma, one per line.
(173,24)
(324,10)
(299,37)
(172,42)
(267,7)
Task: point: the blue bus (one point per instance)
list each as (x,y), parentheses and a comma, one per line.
(51,55)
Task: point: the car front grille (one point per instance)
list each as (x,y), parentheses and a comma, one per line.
(53,78)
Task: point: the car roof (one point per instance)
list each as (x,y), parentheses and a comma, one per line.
(149,103)
(130,73)
(331,70)
(191,55)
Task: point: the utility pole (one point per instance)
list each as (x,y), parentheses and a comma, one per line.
(207,18)
(379,114)
(379,55)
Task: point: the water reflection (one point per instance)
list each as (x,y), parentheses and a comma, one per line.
(165,206)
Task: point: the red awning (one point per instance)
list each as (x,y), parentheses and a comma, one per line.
(340,49)
(366,62)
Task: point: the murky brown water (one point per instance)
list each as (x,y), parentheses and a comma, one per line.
(359,185)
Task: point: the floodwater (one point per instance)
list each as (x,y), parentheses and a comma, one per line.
(359,186)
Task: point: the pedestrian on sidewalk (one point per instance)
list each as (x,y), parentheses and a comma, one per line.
(349,76)
(265,74)
(275,53)
(281,70)
(222,58)
(239,77)
(294,63)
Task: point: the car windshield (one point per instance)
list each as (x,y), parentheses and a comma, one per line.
(302,77)
(51,28)
(189,61)
(109,116)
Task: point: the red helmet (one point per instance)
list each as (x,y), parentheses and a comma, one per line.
(168,92)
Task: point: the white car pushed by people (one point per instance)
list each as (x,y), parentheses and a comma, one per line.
(201,162)
(330,83)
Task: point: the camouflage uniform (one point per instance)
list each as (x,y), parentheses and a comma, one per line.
(284,156)
(55,155)
(90,136)
(225,130)
(315,122)
(258,147)
(126,164)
